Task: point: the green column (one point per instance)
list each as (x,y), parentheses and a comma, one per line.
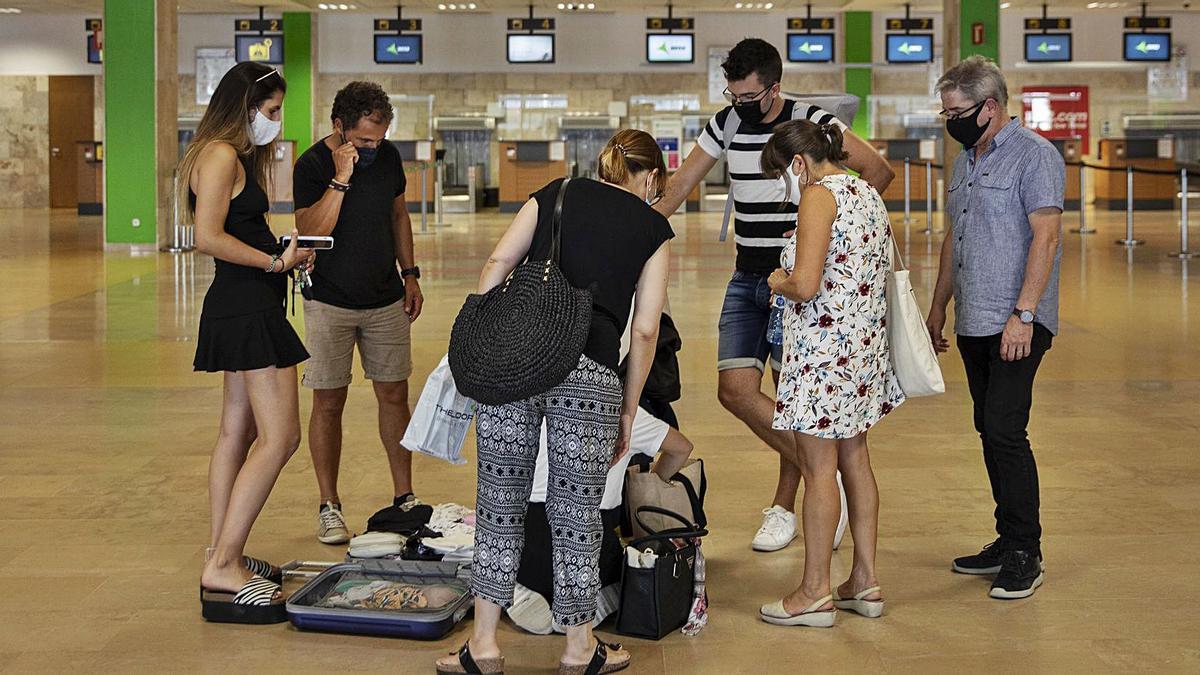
(985,12)
(298,71)
(129,122)
(858,49)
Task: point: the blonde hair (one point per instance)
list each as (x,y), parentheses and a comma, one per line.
(629,153)
(245,86)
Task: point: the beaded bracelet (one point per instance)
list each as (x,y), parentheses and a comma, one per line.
(340,187)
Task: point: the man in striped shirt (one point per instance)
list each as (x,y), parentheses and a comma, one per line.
(763,219)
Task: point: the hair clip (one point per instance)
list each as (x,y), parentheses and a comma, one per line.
(622,149)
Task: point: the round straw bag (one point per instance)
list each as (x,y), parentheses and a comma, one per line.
(525,336)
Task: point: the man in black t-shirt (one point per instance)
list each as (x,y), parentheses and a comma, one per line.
(762,217)
(350,185)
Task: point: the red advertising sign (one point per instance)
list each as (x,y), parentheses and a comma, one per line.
(1057,112)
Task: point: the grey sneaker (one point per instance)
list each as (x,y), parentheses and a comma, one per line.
(331,525)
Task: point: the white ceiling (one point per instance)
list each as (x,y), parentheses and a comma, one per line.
(387,7)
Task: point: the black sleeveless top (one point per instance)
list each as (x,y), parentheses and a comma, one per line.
(236,289)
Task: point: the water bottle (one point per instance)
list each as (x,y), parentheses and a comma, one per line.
(775,324)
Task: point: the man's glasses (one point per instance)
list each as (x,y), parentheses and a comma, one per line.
(744,98)
(954,113)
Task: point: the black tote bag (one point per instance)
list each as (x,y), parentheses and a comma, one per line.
(657,600)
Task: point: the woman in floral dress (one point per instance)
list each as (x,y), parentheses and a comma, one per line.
(837,380)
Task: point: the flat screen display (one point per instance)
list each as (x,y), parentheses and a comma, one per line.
(661,48)
(914,48)
(398,48)
(810,48)
(1147,46)
(259,48)
(94,53)
(530,48)
(1048,47)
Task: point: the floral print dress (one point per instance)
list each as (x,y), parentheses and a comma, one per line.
(837,379)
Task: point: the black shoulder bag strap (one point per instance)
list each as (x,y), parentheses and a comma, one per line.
(556,221)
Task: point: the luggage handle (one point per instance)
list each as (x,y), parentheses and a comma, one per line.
(305,569)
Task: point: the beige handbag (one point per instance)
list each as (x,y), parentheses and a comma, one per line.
(684,495)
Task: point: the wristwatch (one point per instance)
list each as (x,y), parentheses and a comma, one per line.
(1026,316)
(414,272)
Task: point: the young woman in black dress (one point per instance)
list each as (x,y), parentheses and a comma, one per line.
(243,332)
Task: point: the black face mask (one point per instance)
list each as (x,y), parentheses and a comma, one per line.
(365,155)
(965,128)
(751,112)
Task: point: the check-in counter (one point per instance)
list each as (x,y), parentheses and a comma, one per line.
(526,167)
(89,162)
(1072,152)
(1150,192)
(418,158)
(918,151)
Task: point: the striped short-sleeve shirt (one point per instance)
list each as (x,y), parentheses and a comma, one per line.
(762,212)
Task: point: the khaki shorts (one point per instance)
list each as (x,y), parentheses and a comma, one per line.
(383,338)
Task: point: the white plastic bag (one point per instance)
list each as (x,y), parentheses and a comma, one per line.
(441,419)
(913,358)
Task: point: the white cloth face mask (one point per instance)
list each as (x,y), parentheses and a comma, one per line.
(263,129)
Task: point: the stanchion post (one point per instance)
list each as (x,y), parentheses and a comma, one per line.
(907,196)
(1183,253)
(439,168)
(1129,241)
(928,198)
(1083,226)
(424,198)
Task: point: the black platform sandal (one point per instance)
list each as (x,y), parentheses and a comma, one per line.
(467,665)
(599,664)
(260,601)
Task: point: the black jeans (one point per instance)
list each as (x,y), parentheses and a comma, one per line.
(1003,394)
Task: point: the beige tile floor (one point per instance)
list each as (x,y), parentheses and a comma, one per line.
(105,435)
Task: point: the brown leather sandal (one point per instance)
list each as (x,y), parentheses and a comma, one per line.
(467,665)
(599,664)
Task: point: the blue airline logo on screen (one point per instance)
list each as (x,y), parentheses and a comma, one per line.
(815,48)
(1148,48)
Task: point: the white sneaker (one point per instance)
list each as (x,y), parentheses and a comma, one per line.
(331,525)
(844,520)
(777,531)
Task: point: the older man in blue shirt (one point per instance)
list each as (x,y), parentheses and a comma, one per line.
(1000,262)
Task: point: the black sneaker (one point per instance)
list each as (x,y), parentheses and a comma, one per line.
(1021,572)
(986,561)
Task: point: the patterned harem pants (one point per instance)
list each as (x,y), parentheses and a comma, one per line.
(582,416)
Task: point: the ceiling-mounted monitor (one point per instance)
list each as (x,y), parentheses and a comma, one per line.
(1047,47)
(1147,46)
(259,48)
(530,48)
(810,48)
(910,47)
(670,48)
(401,49)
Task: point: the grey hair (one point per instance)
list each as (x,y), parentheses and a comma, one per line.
(977,78)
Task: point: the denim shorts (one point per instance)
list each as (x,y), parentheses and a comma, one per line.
(743,328)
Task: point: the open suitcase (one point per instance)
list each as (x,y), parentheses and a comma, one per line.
(420,600)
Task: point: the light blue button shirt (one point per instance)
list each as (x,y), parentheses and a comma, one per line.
(989,203)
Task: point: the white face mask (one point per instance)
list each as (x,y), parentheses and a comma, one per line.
(794,179)
(263,129)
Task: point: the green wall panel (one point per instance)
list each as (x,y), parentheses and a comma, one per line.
(129,116)
(986,12)
(857,38)
(298,71)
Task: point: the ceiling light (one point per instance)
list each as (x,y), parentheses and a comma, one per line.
(453,6)
(561,6)
(343,7)
(472,6)
(441,8)
(1005,5)
(591,5)
(770,5)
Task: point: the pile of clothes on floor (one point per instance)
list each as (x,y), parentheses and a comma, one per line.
(415,531)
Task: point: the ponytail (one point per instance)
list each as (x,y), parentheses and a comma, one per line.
(629,153)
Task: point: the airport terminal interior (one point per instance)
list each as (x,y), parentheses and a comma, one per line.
(106,432)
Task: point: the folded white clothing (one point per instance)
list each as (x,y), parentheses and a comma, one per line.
(457,539)
(447,515)
(376,545)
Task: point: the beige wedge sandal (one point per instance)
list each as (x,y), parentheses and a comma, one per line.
(812,616)
(872,609)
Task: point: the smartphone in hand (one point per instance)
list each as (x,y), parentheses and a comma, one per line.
(304,241)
